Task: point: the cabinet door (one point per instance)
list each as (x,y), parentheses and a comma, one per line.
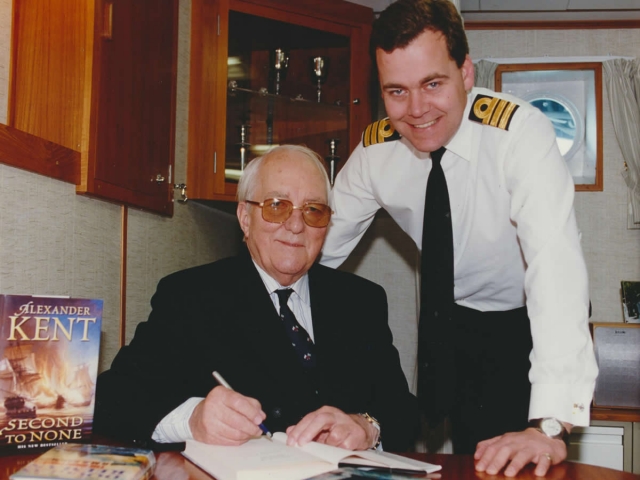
(48,60)
(260,90)
(131,151)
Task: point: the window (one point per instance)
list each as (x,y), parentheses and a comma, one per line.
(570,94)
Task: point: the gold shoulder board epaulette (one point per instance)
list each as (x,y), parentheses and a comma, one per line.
(378,132)
(493,111)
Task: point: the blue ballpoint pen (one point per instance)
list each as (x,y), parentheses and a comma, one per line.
(224,383)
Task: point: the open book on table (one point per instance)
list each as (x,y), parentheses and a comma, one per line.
(262,458)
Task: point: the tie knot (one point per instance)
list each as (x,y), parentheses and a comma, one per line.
(283,295)
(436,155)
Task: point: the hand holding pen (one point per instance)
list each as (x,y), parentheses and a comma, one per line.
(226,417)
(224,383)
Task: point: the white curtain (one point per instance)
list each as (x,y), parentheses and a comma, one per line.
(622,80)
(485,74)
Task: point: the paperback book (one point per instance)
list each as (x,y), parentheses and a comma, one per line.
(89,462)
(268,459)
(49,348)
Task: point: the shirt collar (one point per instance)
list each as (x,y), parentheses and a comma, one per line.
(300,286)
(461,143)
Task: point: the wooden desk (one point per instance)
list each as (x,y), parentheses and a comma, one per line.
(173,466)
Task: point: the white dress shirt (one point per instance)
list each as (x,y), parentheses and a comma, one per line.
(515,237)
(299,302)
(174,427)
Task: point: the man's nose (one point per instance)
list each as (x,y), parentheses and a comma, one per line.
(295,223)
(418,105)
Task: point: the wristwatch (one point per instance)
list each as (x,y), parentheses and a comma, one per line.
(551,427)
(376,424)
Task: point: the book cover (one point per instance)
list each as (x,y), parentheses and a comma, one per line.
(90,462)
(49,348)
(631,301)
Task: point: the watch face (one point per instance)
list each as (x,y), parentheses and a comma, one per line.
(551,427)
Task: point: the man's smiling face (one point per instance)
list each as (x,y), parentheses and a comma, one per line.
(424,91)
(286,250)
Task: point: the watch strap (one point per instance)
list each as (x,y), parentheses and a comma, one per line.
(536,423)
(376,424)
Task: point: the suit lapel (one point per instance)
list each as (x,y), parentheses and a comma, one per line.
(322,307)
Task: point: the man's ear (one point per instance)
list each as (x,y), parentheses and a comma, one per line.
(243,218)
(468,73)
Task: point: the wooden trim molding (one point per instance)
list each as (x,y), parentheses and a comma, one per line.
(615,414)
(29,152)
(124,212)
(551,25)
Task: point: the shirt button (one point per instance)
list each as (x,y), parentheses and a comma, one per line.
(276,412)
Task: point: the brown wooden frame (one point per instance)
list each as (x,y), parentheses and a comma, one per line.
(598,185)
(208,77)
(550,24)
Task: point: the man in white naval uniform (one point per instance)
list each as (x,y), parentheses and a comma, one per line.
(524,363)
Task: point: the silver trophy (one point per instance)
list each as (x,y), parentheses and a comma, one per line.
(243,144)
(319,71)
(280,64)
(332,158)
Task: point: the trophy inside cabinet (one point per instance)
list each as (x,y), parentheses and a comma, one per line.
(286,83)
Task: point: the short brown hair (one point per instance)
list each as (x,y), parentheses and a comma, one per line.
(404,20)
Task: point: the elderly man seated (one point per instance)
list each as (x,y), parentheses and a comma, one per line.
(306,348)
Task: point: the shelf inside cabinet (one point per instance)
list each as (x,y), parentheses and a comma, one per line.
(288,84)
(271,51)
(258,121)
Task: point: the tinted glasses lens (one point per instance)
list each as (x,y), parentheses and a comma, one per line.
(276,211)
(316,214)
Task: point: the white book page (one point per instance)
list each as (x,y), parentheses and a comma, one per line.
(261,458)
(371,458)
(256,459)
(427,467)
(333,455)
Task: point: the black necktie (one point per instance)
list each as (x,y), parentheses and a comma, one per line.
(436,368)
(300,339)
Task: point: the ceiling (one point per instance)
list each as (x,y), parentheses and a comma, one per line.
(537,10)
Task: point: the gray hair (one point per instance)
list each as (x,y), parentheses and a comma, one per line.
(248,180)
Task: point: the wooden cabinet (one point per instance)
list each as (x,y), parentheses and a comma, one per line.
(99,77)
(252,84)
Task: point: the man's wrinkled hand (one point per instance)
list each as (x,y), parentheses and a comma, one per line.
(226,417)
(332,426)
(517,449)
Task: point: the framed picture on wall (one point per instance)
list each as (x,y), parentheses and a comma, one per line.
(631,301)
(570,95)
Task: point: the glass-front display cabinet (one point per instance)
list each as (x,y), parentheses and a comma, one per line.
(270,72)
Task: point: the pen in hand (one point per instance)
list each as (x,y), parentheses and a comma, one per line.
(224,383)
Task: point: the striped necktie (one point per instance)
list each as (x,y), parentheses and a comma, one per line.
(299,337)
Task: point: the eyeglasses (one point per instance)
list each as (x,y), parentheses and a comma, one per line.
(276,210)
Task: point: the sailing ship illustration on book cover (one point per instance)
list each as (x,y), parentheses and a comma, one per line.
(49,349)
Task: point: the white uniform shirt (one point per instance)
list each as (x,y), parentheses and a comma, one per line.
(515,237)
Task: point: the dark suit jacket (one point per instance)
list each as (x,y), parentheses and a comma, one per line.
(220,317)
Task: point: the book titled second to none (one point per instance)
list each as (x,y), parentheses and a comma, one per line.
(49,350)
